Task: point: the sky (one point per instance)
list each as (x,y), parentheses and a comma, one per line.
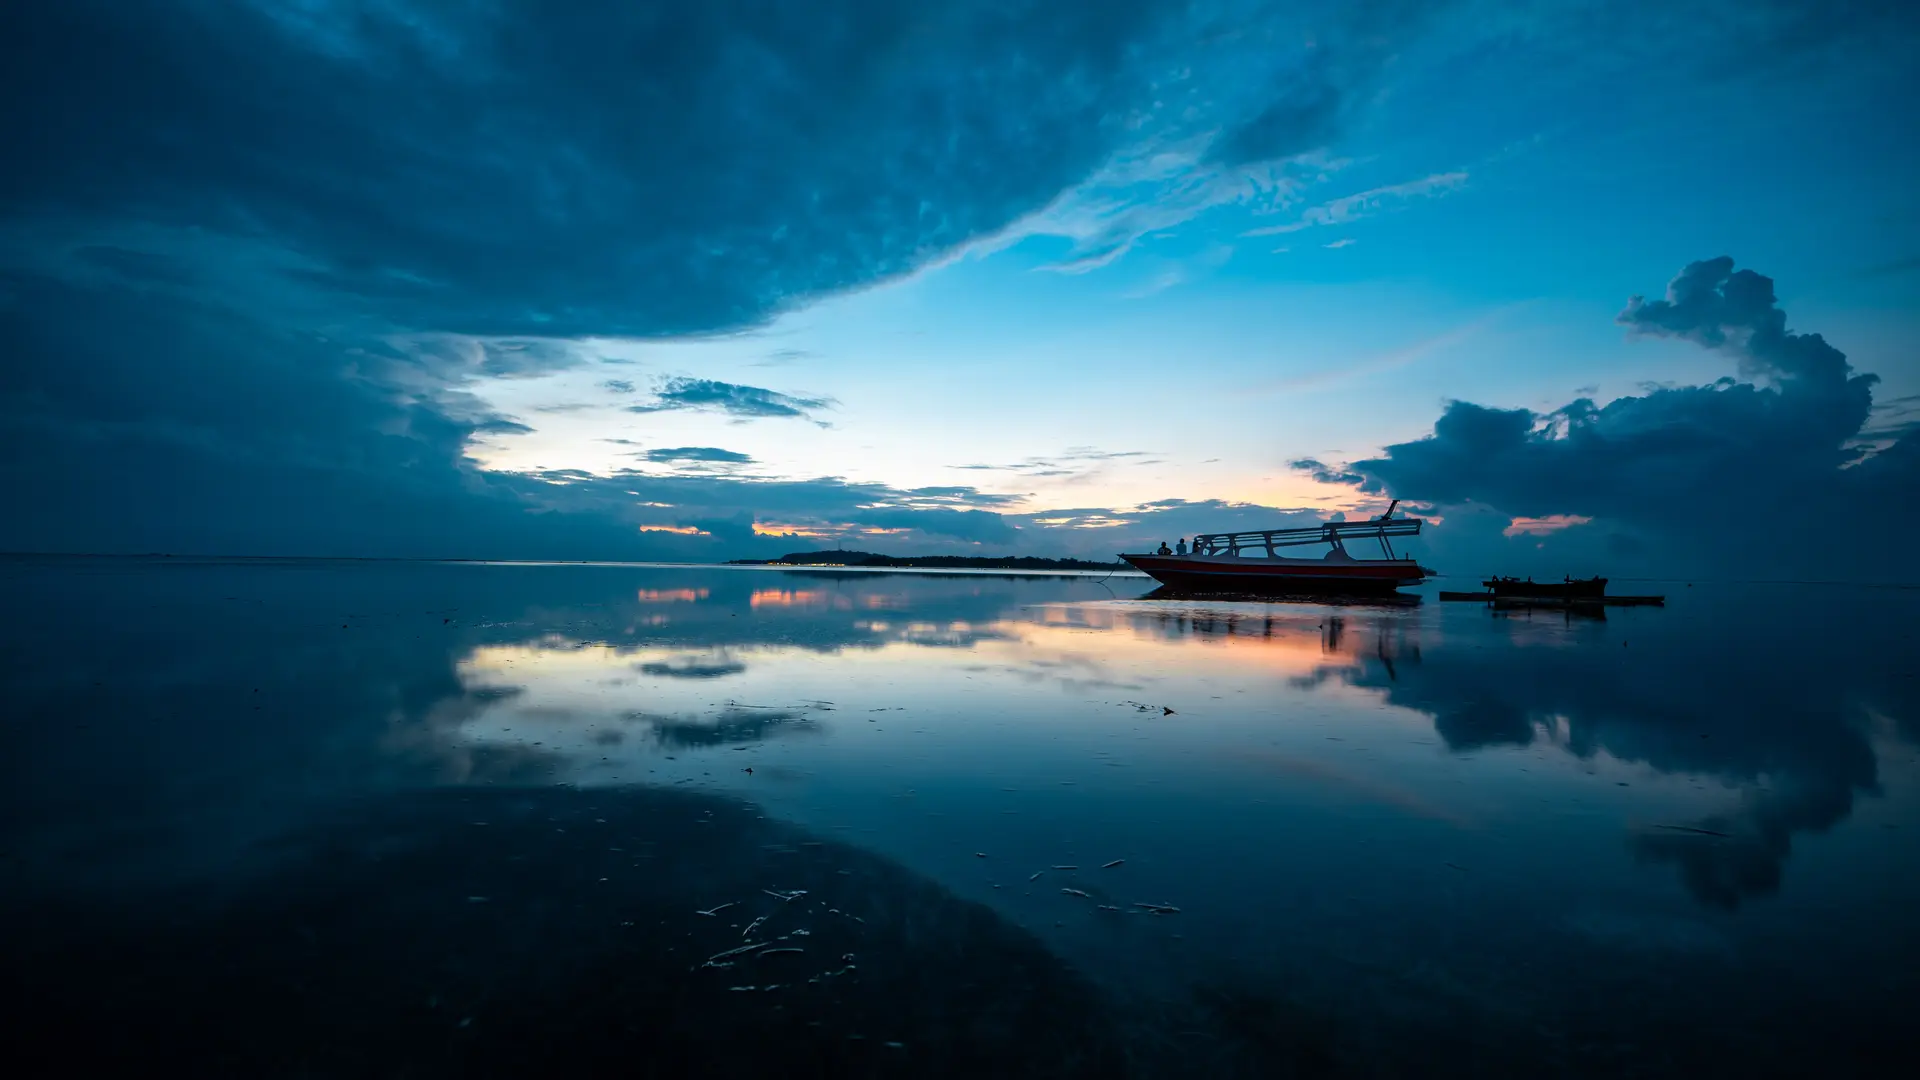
(1621,287)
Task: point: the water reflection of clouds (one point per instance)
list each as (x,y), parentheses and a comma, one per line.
(734,726)
(1686,693)
(1776,722)
(1754,725)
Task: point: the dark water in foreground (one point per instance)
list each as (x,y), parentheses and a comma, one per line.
(397,819)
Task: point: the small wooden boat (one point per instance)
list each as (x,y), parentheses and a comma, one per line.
(1566,589)
(1250,562)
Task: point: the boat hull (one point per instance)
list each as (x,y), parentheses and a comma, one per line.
(1227,574)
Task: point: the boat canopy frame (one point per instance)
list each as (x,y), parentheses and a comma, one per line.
(1333,533)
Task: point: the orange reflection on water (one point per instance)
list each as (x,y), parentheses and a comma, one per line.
(1306,644)
(671,596)
(806,598)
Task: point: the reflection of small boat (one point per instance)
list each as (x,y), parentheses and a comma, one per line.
(1566,589)
(1523,599)
(1249,562)
(1567,609)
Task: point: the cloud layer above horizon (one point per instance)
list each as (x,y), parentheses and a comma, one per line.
(262,264)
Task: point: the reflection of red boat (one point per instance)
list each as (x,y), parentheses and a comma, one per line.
(1248,562)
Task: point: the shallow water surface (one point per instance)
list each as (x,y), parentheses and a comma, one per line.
(384,818)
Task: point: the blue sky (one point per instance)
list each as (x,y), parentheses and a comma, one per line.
(631,280)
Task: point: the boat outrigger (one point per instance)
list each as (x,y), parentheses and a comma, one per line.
(1249,562)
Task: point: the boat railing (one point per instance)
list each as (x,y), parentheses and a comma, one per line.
(1334,533)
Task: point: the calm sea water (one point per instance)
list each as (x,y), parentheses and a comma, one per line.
(316,818)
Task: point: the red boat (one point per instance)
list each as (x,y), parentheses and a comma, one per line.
(1249,562)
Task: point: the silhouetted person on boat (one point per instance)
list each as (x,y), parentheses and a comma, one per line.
(1180,548)
(1164,549)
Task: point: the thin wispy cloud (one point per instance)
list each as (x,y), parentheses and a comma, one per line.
(1392,360)
(784,357)
(1366,204)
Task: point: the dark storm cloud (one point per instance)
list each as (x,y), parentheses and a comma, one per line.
(1679,462)
(594,168)
(250,255)
(747,402)
(710,454)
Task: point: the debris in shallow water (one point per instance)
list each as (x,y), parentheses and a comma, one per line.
(787,949)
(1457,866)
(1074,892)
(1066,868)
(710,912)
(785,897)
(1036,875)
(1159,909)
(1114,863)
(1108,907)
(742,950)
(751,927)
(979,854)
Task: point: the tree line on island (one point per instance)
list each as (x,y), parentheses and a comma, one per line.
(951,562)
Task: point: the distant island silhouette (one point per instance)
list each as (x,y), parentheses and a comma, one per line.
(955,562)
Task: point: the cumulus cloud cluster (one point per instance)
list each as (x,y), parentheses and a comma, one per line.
(1733,473)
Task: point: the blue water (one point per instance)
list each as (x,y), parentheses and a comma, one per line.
(1429,839)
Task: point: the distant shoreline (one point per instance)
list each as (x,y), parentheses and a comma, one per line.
(947,564)
(866,560)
